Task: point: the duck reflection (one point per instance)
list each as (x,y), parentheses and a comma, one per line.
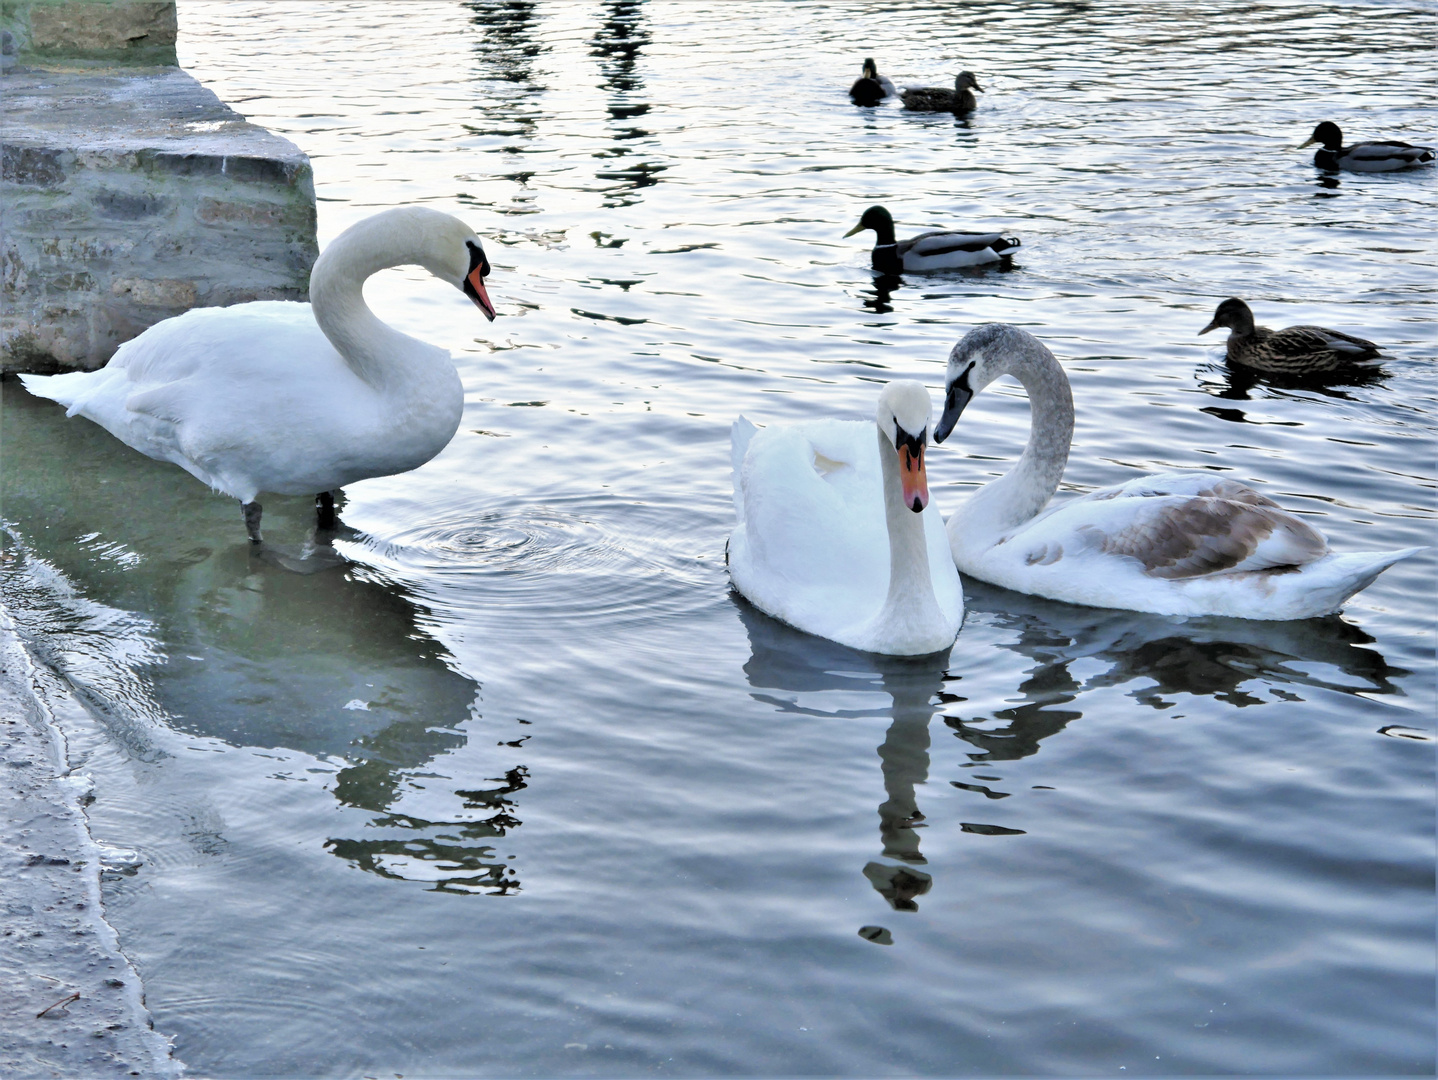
(786,659)
(618,45)
(1236,383)
(1240,662)
(885,285)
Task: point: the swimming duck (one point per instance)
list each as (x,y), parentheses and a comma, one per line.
(944,250)
(871,88)
(1172,543)
(937,99)
(1365,156)
(1294,350)
(297,399)
(832,534)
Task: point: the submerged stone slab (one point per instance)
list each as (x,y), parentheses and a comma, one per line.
(126,198)
(72,1004)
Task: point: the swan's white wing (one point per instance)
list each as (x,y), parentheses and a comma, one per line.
(812,548)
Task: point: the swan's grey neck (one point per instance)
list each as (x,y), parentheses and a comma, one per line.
(1026,489)
(910,603)
(377,353)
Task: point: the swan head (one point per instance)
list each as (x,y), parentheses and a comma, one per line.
(1328,133)
(1234,314)
(903,418)
(450,250)
(980,357)
(876,218)
(966,79)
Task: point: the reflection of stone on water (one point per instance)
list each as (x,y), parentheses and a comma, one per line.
(787,659)
(1230,660)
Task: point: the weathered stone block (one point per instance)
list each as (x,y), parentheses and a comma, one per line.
(112,193)
(95,31)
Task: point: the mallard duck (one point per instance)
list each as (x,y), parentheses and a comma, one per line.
(1177,543)
(931,250)
(1294,350)
(936,99)
(872,88)
(1364,156)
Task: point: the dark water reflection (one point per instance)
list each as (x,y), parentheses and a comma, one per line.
(787,659)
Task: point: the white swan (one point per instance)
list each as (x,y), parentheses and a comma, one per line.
(832,536)
(296,399)
(1172,543)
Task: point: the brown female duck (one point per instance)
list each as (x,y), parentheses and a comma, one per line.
(1294,350)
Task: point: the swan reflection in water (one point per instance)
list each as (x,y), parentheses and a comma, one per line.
(798,663)
(337,665)
(1239,662)
(234,646)
(1235,661)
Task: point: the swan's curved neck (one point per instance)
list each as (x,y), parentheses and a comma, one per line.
(376,352)
(910,603)
(1025,489)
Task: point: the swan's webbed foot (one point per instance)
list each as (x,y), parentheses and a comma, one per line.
(325,517)
(252,511)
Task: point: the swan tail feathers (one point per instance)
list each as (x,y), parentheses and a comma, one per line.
(1353,572)
(740,432)
(74,389)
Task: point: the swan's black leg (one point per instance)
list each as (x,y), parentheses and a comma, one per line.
(252,511)
(325,511)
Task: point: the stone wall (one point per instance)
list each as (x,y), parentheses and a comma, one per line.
(94,31)
(130,195)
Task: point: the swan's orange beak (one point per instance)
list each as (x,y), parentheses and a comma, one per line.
(474,289)
(911,473)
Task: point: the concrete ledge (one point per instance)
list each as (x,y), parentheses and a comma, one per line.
(126,198)
(72,1004)
(88,31)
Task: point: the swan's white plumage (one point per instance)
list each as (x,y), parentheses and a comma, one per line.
(811,545)
(1170,543)
(256,397)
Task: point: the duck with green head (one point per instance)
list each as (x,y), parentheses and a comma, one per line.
(1388,155)
(940,250)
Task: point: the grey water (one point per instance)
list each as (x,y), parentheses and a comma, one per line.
(526,790)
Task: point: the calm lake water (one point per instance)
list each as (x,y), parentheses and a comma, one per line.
(528,791)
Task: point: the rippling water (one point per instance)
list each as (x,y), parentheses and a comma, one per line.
(527,790)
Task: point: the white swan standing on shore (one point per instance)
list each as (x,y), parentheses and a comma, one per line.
(832,535)
(295,399)
(1171,543)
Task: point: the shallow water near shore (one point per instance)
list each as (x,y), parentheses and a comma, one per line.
(526,790)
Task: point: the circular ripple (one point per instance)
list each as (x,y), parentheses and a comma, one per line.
(582,560)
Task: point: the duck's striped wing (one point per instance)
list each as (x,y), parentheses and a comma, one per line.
(933,244)
(1309,347)
(1385,156)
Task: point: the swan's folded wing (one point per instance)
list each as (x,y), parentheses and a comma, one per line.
(1191,484)
(1183,537)
(740,432)
(942,243)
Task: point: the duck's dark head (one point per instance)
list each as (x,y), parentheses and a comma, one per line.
(871,70)
(966,80)
(1328,134)
(878,219)
(1234,314)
